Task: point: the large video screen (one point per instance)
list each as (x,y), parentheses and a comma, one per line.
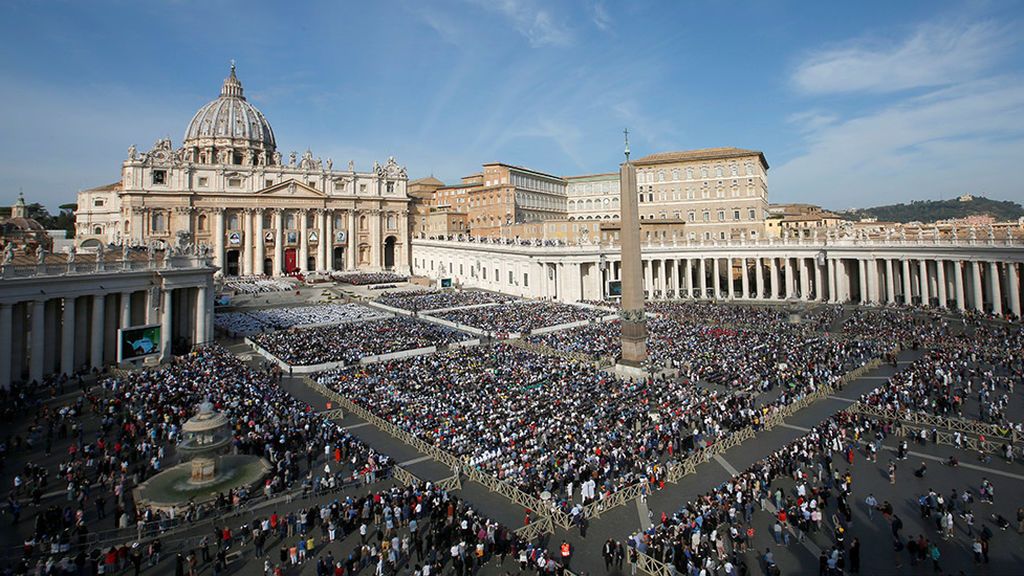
(138,342)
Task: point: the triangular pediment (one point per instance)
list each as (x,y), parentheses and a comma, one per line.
(291,189)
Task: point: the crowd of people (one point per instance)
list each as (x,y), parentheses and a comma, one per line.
(546,423)
(520,317)
(423,300)
(353,341)
(259,285)
(140,416)
(237,324)
(367,278)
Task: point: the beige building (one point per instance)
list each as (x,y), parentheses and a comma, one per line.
(799,220)
(227,188)
(593,197)
(721,193)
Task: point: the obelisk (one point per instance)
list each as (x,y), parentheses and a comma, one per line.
(634,323)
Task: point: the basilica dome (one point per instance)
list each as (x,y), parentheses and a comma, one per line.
(231,129)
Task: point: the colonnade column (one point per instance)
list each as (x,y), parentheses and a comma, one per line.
(648,278)
(67,337)
(1012,280)
(979,296)
(940,280)
(906,282)
(303,240)
(200,319)
(6,325)
(958,281)
(805,280)
(862,280)
(994,288)
(278,242)
(260,243)
(744,279)
(350,251)
(35,367)
(890,287)
(96,338)
(376,258)
(703,278)
(716,278)
(218,238)
(328,240)
(773,275)
(689,279)
(321,247)
(125,319)
(790,284)
(833,294)
(165,324)
(923,267)
(819,291)
(758,278)
(247,243)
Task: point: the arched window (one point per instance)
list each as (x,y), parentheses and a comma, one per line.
(201,222)
(704,172)
(362,222)
(735,170)
(97,230)
(391,221)
(675,173)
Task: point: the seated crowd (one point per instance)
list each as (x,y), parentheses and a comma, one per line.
(422,300)
(545,423)
(351,342)
(255,321)
(366,278)
(520,317)
(259,285)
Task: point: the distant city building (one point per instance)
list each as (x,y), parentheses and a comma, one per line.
(800,220)
(24,233)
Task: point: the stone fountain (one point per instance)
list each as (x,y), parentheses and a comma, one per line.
(206,469)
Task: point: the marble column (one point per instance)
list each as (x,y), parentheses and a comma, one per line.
(350,251)
(716,279)
(303,240)
(758,278)
(925,296)
(96,337)
(321,245)
(248,245)
(940,273)
(787,267)
(36,356)
(6,348)
(703,273)
(200,319)
(278,242)
(648,266)
(67,336)
(805,280)
(1013,288)
(125,319)
(833,294)
(958,285)
(744,279)
(689,279)
(979,296)
(166,325)
(259,243)
(907,295)
(328,240)
(890,287)
(218,239)
(773,275)
(862,280)
(995,289)
(819,288)
(376,257)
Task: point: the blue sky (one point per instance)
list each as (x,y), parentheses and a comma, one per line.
(853,103)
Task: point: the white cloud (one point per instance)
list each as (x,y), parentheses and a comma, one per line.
(529,18)
(934,55)
(600,16)
(962,139)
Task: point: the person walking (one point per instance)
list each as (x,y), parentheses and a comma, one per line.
(854,556)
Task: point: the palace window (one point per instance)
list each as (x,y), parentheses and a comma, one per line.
(159,176)
(98,203)
(721,215)
(268,183)
(311,184)
(97,230)
(526,280)
(735,214)
(204,181)
(707,216)
(234,182)
(752,214)
(158,223)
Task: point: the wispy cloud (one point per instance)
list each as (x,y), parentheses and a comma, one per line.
(599,15)
(935,54)
(531,19)
(957,140)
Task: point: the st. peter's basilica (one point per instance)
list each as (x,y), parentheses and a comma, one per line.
(228,189)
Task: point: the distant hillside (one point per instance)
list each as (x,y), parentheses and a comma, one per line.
(931,210)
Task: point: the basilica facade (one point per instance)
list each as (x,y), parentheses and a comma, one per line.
(228,190)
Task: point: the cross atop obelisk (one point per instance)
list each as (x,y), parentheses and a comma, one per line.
(634,323)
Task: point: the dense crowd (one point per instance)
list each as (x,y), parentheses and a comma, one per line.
(520,317)
(255,321)
(351,342)
(259,285)
(546,423)
(140,417)
(366,278)
(422,300)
